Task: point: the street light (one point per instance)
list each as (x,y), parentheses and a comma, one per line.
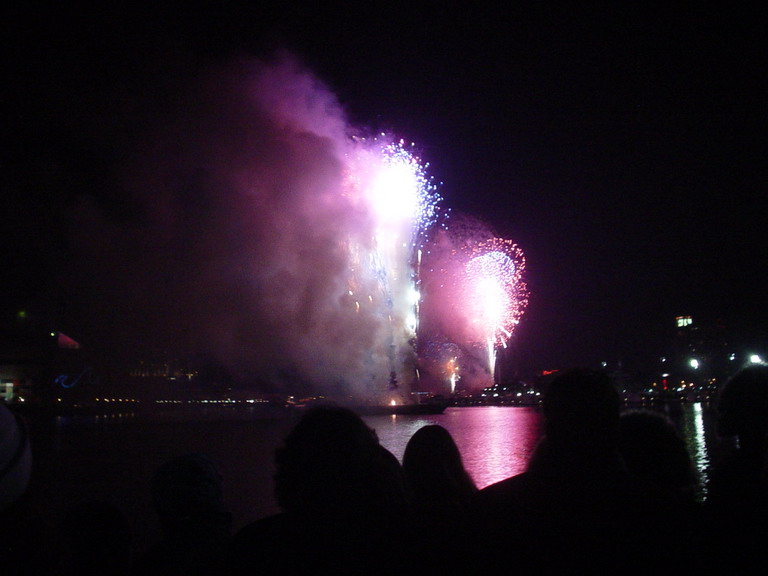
(694,363)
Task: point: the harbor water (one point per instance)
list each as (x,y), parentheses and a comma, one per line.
(113,456)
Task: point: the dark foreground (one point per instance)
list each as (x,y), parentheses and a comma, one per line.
(112,457)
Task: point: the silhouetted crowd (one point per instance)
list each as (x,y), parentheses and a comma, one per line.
(606,491)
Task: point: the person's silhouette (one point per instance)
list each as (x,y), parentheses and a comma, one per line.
(187,494)
(737,494)
(344,502)
(440,485)
(655,451)
(576,509)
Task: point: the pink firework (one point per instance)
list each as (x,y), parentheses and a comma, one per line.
(496,295)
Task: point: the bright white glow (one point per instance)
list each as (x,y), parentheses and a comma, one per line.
(494,299)
(413,295)
(694,363)
(755,359)
(395,192)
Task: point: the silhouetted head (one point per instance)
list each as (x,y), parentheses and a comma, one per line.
(581,407)
(743,404)
(332,463)
(15,457)
(188,489)
(434,469)
(655,451)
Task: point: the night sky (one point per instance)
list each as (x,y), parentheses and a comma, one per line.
(623,148)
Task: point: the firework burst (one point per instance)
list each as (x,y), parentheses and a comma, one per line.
(496,295)
(388,183)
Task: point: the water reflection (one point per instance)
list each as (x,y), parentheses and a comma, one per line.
(692,426)
(495,441)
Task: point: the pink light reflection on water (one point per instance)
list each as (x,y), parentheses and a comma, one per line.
(495,441)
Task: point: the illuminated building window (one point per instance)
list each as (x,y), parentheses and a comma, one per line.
(683,321)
